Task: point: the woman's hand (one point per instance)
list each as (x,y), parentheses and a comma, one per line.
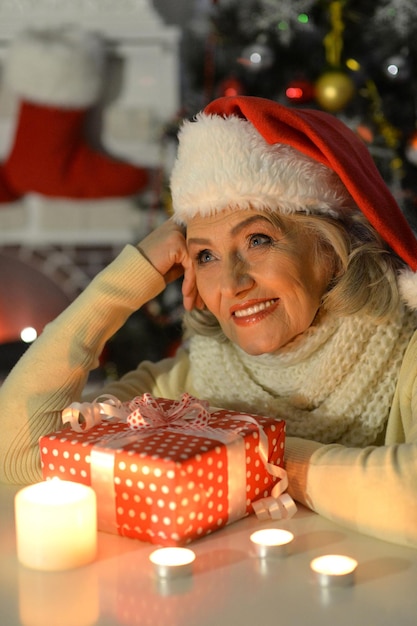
(191,297)
(166,249)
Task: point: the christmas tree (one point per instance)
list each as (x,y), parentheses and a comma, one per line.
(352,58)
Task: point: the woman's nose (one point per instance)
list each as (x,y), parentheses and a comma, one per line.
(236,277)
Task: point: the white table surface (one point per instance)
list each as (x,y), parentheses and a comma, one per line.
(229,586)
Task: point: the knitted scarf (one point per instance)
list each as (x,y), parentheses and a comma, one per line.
(333,383)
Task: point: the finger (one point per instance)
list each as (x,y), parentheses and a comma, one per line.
(175,272)
(191,297)
(189,290)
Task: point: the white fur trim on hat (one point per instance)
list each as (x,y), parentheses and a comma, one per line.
(225,162)
(407,286)
(59,67)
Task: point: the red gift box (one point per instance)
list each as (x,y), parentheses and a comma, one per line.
(174,483)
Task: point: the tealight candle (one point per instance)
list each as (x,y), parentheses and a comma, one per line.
(271,542)
(172,562)
(56,525)
(334,570)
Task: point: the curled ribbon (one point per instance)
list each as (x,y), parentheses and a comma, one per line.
(278,505)
(84,415)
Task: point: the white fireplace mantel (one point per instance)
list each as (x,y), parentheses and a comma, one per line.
(115,18)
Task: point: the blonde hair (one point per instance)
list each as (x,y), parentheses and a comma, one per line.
(364,278)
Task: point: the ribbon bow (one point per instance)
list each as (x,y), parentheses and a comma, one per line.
(143,412)
(149,412)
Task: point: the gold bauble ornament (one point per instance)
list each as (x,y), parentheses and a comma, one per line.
(334,90)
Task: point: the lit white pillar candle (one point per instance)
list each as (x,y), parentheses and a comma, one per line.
(334,570)
(56,525)
(172,562)
(271,542)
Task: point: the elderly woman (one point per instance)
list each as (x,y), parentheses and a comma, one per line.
(298,285)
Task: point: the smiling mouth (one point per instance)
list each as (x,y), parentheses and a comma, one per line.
(255,308)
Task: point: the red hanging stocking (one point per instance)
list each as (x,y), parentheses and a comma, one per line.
(58,76)
(7,194)
(51,157)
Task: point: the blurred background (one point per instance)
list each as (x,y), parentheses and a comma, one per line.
(162,61)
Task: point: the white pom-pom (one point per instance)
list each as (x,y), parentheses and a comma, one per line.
(407,285)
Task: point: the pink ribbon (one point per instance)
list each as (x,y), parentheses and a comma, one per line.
(148,412)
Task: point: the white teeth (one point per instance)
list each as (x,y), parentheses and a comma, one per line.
(254,309)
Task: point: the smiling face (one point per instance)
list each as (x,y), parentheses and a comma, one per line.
(263,283)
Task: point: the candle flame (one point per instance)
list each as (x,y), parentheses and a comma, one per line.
(272,537)
(172,557)
(334,565)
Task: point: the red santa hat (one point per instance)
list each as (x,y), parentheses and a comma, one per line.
(246,151)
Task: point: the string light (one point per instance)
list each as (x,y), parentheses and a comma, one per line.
(28,334)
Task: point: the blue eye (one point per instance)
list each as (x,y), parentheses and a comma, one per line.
(259,239)
(204,257)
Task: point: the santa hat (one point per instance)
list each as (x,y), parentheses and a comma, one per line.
(246,151)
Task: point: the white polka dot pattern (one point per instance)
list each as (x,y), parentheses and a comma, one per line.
(171,486)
